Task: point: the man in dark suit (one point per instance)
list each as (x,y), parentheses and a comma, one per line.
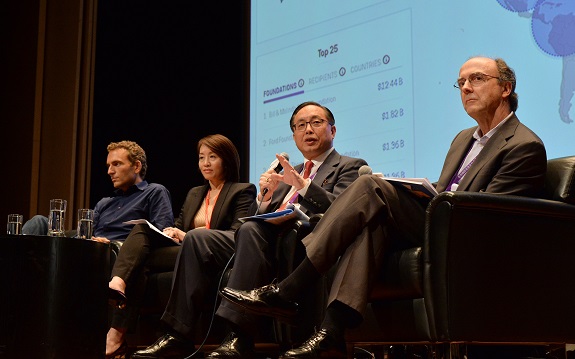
(500,155)
(328,174)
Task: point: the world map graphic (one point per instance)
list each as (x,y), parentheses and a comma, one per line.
(553,29)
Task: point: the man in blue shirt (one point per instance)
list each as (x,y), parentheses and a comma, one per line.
(133,198)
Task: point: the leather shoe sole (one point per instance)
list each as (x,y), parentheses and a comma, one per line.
(263,301)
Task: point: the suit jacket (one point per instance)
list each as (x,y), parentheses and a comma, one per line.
(513,162)
(334,175)
(233,203)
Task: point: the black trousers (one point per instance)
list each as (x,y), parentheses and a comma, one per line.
(254,266)
(131,267)
(202,258)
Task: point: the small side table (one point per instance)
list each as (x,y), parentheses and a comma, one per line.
(53,297)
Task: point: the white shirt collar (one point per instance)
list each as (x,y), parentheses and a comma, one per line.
(491,132)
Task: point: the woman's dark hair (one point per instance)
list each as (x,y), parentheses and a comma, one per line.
(225,149)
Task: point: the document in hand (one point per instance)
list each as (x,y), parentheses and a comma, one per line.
(421,187)
(142,221)
(278,217)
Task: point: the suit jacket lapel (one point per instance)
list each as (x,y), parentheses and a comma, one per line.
(457,151)
(217,212)
(492,148)
(326,168)
(192,206)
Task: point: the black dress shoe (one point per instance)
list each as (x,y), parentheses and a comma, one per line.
(233,347)
(116,298)
(263,301)
(321,345)
(166,347)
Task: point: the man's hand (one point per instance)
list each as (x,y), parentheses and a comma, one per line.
(290,176)
(267,184)
(101,239)
(269,180)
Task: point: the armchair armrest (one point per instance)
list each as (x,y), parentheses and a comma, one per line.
(499,268)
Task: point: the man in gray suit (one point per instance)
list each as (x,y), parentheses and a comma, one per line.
(327,174)
(500,155)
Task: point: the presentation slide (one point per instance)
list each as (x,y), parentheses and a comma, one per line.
(386,69)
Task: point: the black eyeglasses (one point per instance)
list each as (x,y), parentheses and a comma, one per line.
(475,79)
(301,126)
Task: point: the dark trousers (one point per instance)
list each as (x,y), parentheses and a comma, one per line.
(254,266)
(131,267)
(368,218)
(203,256)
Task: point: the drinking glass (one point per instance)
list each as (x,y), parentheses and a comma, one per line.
(85,223)
(56,217)
(14,224)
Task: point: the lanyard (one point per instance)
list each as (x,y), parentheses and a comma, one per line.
(459,175)
(462,171)
(209,218)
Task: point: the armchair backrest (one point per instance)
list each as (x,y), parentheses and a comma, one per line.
(560,179)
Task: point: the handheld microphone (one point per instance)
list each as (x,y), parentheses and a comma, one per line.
(277,167)
(364,170)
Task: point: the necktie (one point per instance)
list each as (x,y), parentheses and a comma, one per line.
(307,171)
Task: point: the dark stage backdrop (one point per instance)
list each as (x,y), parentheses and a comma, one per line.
(167,74)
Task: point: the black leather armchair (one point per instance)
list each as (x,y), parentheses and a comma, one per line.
(492,269)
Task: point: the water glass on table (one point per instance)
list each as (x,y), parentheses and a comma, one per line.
(85,223)
(56,217)
(14,224)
